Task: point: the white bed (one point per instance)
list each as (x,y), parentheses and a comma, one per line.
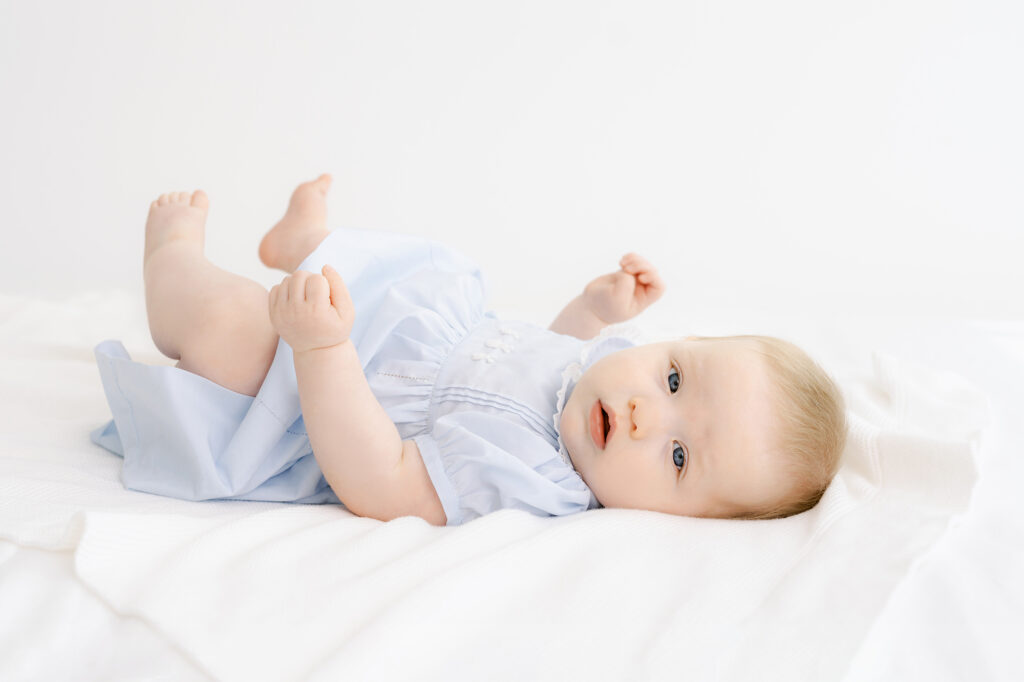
(910,568)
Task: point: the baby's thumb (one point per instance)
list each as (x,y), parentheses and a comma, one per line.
(339,292)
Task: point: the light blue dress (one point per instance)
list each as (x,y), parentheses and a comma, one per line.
(480,396)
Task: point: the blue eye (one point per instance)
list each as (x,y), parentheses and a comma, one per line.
(673,380)
(678,456)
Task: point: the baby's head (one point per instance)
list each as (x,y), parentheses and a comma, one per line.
(729,427)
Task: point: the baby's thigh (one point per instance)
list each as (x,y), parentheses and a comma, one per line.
(233,345)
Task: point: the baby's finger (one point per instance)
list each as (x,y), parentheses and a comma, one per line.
(297,286)
(634,263)
(340,297)
(317,289)
(654,286)
(272,304)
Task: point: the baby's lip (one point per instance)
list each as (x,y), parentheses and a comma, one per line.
(595,422)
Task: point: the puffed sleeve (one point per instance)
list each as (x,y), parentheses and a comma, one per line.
(481,462)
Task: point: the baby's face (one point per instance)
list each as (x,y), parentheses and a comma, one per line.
(690,429)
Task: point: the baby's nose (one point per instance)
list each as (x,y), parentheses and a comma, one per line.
(637,419)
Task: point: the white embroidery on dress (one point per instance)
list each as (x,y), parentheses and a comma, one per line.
(426,380)
(495,343)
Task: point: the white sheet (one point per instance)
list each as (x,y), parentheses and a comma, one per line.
(872,583)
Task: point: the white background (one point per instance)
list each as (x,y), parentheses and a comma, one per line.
(794,157)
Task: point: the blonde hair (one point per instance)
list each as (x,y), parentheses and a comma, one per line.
(812,415)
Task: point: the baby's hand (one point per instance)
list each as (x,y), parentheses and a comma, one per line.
(622,295)
(312,311)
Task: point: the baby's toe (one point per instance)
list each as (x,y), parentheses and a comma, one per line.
(323,183)
(200,200)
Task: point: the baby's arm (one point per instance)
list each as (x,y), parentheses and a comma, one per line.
(576,319)
(611,298)
(367,464)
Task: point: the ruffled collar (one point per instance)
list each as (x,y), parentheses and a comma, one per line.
(611,339)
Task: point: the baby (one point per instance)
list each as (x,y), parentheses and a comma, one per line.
(378,380)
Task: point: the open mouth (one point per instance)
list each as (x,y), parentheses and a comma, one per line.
(602,423)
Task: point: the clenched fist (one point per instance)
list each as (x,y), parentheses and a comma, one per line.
(622,295)
(312,311)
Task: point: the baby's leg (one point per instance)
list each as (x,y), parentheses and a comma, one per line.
(214,322)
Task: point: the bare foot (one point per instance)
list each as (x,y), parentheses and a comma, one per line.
(302,228)
(178,216)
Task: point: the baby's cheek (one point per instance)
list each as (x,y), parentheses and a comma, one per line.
(571,438)
(615,489)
